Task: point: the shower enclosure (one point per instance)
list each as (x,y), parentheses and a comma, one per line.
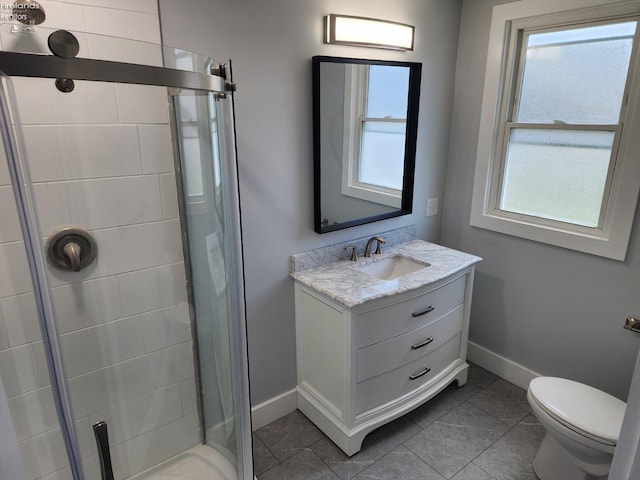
(148,337)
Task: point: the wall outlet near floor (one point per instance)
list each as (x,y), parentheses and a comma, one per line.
(432,207)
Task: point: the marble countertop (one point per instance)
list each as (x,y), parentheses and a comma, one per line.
(343,282)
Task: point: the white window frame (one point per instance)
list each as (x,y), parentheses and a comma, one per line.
(355,103)
(610,238)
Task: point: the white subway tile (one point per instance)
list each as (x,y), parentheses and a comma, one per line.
(17,370)
(40,364)
(177,362)
(39,102)
(148,6)
(73,152)
(189,397)
(59,277)
(165,442)
(99,347)
(129,419)
(118,23)
(33,413)
(156,149)
(101,389)
(5,178)
(86,304)
(151,289)
(142,104)
(168,191)
(136,247)
(124,50)
(14,270)
(86,437)
(101,203)
(63,15)
(18,320)
(63,474)
(10,230)
(43,454)
(166,327)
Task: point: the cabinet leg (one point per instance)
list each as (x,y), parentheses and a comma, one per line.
(461,377)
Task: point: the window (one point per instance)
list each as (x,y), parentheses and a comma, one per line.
(558,167)
(375,132)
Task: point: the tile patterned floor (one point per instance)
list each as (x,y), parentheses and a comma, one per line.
(481,431)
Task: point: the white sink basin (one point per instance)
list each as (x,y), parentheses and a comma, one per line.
(392,267)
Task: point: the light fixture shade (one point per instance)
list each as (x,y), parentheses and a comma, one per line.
(368,32)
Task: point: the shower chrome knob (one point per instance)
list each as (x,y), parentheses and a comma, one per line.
(71,249)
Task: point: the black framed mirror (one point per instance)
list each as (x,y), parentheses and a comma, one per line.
(365,123)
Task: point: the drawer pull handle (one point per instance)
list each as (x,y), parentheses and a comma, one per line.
(418,375)
(422,344)
(423,312)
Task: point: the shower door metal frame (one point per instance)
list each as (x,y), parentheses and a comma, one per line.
(48,66)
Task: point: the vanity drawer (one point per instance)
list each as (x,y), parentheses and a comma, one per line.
(390,354)
(397,319)
(394,384)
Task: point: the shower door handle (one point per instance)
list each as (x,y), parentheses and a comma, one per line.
(102,438)
(632,324)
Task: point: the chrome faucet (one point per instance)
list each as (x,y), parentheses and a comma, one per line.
(367,250)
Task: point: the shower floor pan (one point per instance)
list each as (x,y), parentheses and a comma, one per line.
(198,463)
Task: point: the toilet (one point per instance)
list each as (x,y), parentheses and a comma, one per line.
(582,426)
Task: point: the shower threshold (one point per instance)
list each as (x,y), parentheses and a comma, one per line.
(198,463)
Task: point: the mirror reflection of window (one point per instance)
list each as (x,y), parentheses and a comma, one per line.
(383,127)
(375,132)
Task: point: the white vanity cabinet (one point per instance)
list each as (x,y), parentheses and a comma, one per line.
(362,366)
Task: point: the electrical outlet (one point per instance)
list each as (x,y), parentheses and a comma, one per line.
(432,207)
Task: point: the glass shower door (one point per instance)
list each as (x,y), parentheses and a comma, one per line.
(204,125)
(101,159)
(41,418)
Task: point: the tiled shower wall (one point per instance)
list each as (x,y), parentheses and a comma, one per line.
(100,158)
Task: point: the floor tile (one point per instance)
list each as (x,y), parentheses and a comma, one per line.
(472,472)
(263,459)
(504,401)
(510,457)
(401,463)
(443,403)
(304,465)
(288,435)
(480,377)
(481,431)
(377,444)
(450,443)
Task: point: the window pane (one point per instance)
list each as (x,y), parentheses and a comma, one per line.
(382,154)
(576,76)
(558,175)
(388,92)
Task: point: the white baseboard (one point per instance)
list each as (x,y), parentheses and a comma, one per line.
(501,366)
(274,408)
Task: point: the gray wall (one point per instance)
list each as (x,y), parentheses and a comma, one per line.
(271,45)
(555,311)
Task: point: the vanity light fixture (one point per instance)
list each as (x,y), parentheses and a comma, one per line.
(368,32)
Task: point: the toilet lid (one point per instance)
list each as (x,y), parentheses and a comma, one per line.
(584,409)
